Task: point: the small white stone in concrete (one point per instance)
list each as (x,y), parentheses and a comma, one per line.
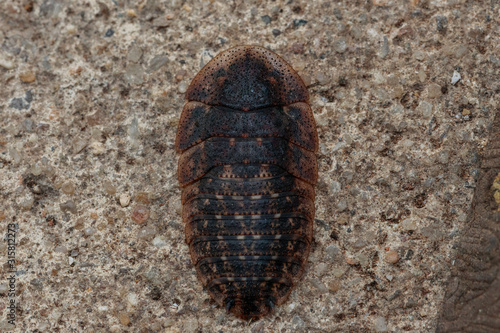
(456,77)
(159,241)
(124,199)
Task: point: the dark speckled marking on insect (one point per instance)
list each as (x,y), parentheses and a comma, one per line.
(248,167)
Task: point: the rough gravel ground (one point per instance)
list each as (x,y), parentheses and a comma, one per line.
(90,95)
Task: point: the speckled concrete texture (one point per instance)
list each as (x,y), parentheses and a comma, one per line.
(404,93)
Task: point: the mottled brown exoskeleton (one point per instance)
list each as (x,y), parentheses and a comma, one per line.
(247,169)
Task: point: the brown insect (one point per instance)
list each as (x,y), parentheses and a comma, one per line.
(248,168)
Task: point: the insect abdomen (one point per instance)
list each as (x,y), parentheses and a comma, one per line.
(247,169)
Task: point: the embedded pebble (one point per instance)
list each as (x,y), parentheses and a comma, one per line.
(424,109)
(7,64)
(322,78)
(441,23)
(434,90)
(385,48)
(140,214)
(455,78)
(176,206)
(5,326)
(133,299)
(134,74)
(61,249)
(409,224)
(68,206)
(159,241)
(142,197)
(182,87)
(27,203)
(335,187)
(340,46)
(68,187)
(133,132)
(180,75)
(78,145)
(15,155)
(342,205)
(124,319)
(89,231)
(28,125)
(124,199)
(97,148)
(190,325)
(299,23)
(156,63)
(36,169)
(332,252)
(102,308)
(320,286)
(131,13)
(134,54)
(419,55)
(334,285)
(147,233)
(380,324)
(321,269)
(460,51)
(391,257)
(109,187)
(298,323)
(266,19)
(444,157)
(422,76)
(27,77)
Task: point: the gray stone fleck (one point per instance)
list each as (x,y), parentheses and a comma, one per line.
(28,125)
(441,23)
(266,19)
(340,45)
(385,48)
(320,286)
(335,187)
(68,206)
(37,283)
(342,205)
(337,13)
(299,22)
(424,109)
(134,54)
(332,252)
(298,323)
(134,74)
(156,63)
(396,294)
(444,156)
(147,233)
(380,324)
(19,104)
(110,32)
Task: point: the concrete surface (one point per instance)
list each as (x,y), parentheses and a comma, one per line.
(404,93)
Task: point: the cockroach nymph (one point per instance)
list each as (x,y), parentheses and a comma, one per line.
(248,142)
